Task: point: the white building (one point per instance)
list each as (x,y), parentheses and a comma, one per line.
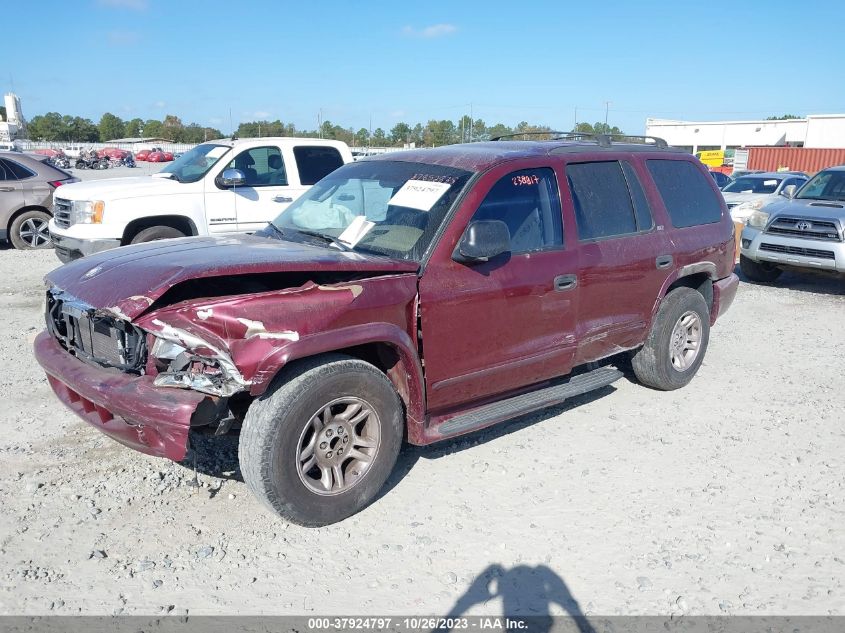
(816,130)
(14,125)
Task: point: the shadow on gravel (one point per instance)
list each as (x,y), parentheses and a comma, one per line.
(812,281)
(214,456)
(527,594)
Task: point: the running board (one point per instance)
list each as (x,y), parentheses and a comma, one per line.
(527,402)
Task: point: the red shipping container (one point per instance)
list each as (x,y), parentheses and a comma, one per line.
(806,159)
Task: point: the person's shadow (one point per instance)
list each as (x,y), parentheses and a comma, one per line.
(527,595)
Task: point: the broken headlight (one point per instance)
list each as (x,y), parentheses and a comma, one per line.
(182,368)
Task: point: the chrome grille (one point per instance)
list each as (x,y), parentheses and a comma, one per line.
(61,212)
(807,228)
(797,250)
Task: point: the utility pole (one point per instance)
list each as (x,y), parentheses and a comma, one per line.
(575,125)
(320,122)
(606,109)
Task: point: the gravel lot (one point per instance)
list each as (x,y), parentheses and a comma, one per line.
(726,497)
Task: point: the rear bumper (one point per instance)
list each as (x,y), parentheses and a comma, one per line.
(724,292)
(127,408)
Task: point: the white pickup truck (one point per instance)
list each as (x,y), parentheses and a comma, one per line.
(225,186)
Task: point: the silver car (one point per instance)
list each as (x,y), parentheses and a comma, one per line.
(27,182)
(805,230)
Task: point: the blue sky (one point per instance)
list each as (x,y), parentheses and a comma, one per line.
(413,61)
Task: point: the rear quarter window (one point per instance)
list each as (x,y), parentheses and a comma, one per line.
(688,196)
(314,163)
(19,171)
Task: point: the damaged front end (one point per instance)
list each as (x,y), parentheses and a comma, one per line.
(184,360)
(95,336)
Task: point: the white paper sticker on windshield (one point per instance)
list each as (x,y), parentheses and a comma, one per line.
(770,183)
(419,194)
(356,230)
(216,152)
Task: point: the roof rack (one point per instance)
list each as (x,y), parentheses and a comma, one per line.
(604,140)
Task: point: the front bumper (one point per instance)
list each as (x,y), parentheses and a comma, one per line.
(125,407)
(792,251)
(69,248)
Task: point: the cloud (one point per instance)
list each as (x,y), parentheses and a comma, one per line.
(160,105)
(398,114)
(215,120)
(261,114)
(123,38)
(430,32)
(134,5)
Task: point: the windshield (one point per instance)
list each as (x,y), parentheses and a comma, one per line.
(825,185)
(193,165)
(383,207)
(753,184)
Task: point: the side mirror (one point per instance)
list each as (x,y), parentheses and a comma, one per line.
(788,191)
(231,178)
(483,240)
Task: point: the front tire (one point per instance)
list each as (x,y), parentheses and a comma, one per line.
(761,272)
(154,233)
(29,231)
(675,347)
(319,446)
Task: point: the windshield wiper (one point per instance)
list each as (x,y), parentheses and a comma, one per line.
(328,239)
(274,228)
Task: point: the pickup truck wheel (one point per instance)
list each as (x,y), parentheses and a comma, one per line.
(319,446)
(675,347)
(761,272)
(156,233)
(29,231)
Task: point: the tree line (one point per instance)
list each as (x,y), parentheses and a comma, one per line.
(432,134)
(56,127)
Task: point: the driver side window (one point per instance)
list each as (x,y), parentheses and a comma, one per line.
(261,166)
(527,201)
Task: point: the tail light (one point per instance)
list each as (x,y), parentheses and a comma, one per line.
(58,183)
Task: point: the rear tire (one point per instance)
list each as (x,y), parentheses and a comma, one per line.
(29,231)
(154,233)
(675,347)
(319,446)
(760,272)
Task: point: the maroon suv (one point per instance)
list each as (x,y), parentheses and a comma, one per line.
(411,297)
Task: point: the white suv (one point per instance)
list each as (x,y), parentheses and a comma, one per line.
(225,186)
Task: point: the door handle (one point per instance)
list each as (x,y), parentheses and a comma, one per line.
(282,199)
(663,261)
(566,282)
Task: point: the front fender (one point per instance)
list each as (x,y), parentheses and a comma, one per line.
(406,374)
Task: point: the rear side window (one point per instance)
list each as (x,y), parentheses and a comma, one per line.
(5,174)
(602,201)
(689,198)
(314,163)
(19,171)
(641,209)
(528,202)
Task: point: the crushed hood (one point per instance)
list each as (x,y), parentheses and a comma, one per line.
(127,280)
(121,188)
